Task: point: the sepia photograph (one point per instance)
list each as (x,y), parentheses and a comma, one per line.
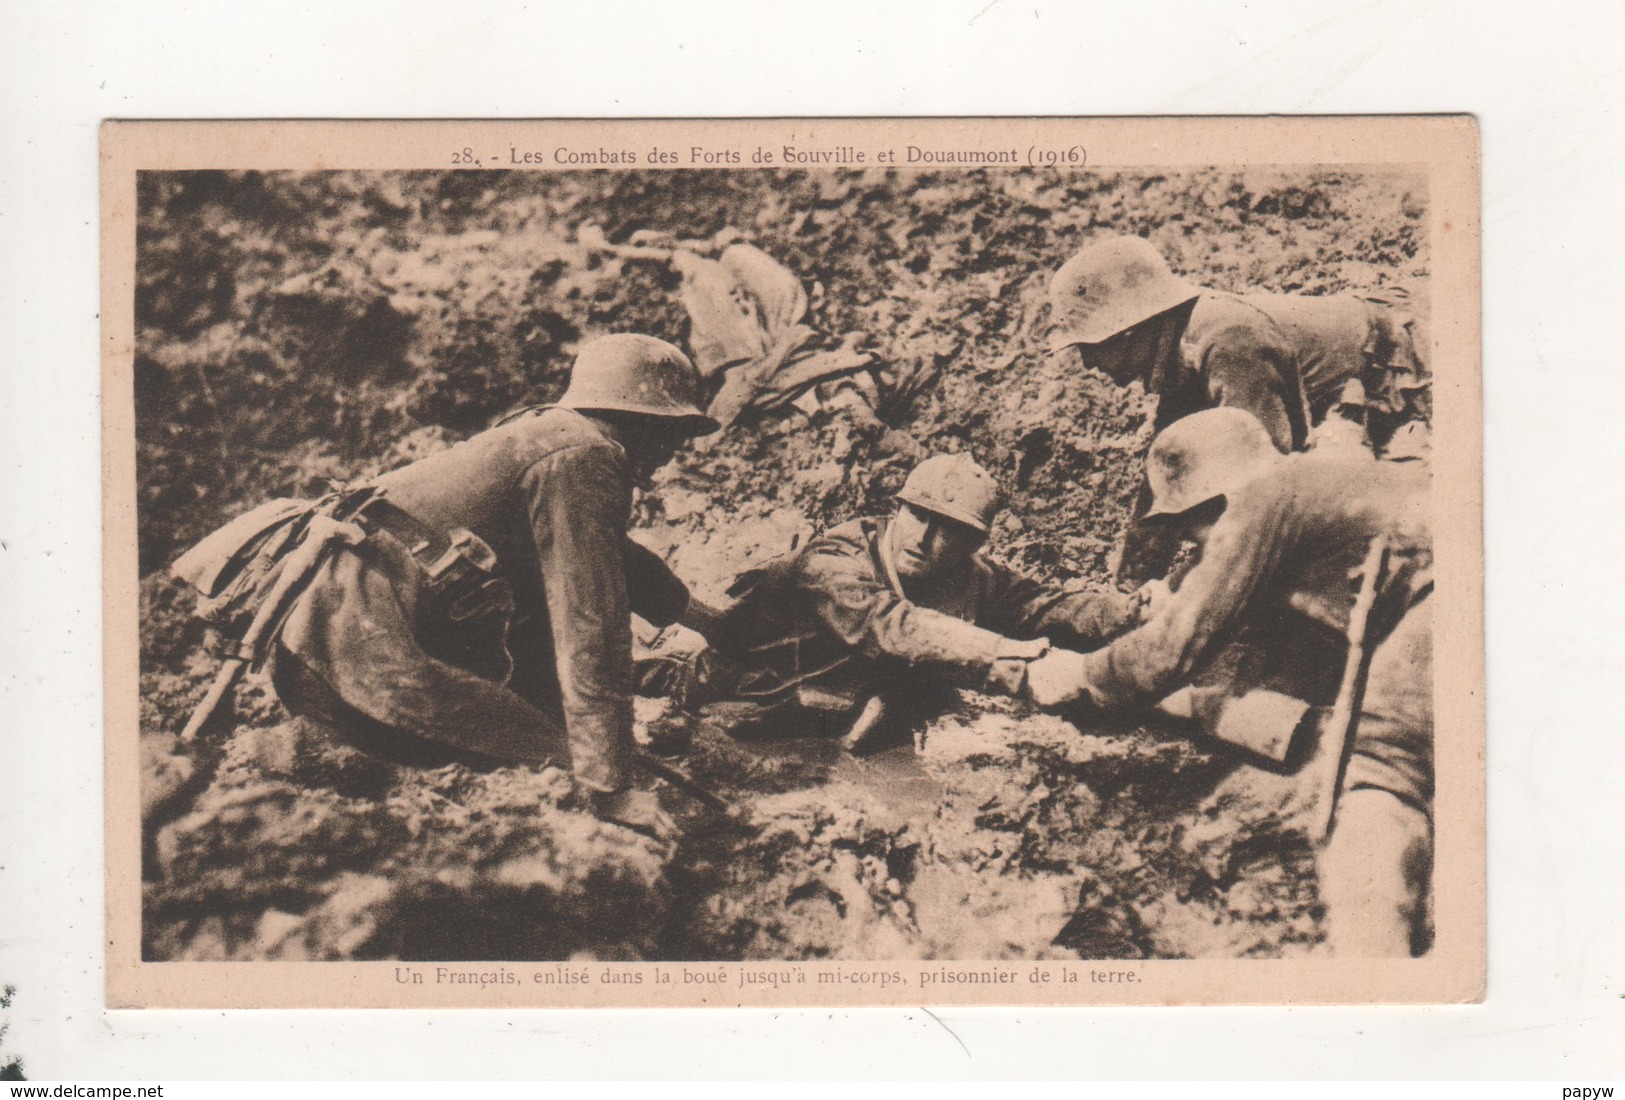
(718,543)
(787,574)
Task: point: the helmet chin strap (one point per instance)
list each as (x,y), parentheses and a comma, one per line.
(934,583)
(888,556)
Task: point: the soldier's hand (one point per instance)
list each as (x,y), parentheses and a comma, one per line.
(1150,599)
(1056,678)
(1008,671)
(639,811)
(701,617)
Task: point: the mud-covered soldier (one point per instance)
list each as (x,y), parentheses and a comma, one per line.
(1285,541)
(535,664)
(1290,360)
(876,612)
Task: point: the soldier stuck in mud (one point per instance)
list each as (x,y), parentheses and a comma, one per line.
(872,615)
(478,602)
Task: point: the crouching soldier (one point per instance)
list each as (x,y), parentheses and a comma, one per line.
(480,598)
(1291,360)
(872,616)
(1292,541)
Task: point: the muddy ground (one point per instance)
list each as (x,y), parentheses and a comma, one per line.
(300,330)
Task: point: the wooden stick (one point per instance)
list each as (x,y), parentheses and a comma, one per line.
(683,782)
(1345,715)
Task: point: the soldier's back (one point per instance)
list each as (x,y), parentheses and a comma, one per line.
(1324,338)
(481,483)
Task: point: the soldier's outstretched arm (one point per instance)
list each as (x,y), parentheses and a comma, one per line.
(1021,607)
(864,612)
(1244,549)
(579,501)
(1256,376)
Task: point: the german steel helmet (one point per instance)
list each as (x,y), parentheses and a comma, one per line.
(1205,456)
(956,487)
(1112,285)
(637,374)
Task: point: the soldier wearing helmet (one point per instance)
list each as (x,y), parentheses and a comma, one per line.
(1287,359)
(1283,539)
(870,614)
(489,607)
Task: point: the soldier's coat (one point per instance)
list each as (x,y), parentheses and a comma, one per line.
(841,607)
(1293,540)
(551,494)
(1286,357)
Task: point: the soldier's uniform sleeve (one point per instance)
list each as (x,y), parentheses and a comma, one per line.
(1245,548)
(1020,607)
(845,594)
(653,591)
(579,500)
(1244,368)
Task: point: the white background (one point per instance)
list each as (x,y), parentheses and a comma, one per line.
(1546,82)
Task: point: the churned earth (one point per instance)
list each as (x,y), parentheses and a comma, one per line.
(296,331)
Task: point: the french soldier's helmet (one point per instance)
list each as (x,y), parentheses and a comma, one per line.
(956,487)
(1205,456)
(637,374)
(1112,285)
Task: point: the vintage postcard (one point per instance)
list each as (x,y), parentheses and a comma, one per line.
(793,562)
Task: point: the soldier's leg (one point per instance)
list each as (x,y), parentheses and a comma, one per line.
(1393,743)
(306,694)
(355,631)
(1376,869)
(1374,873)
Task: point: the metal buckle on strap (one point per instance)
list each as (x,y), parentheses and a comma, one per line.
(473,549)
(460,569)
